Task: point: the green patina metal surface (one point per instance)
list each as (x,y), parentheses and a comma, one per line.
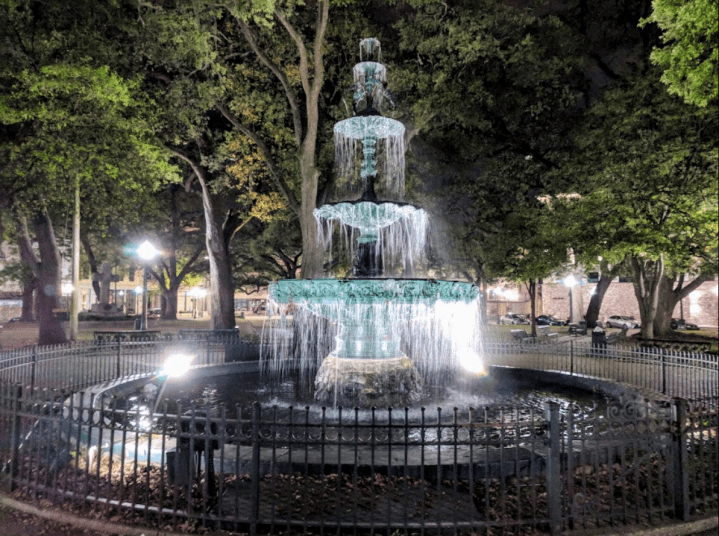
(369,291)
(370,126)
(368,217)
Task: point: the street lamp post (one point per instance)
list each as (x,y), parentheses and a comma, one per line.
(146,252)
(570,282)
(196,292)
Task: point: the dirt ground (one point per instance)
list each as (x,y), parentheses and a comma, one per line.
(16,523)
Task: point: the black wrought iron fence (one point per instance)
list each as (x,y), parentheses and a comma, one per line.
(267,469)
(76,366)
(271,469)
(674,373)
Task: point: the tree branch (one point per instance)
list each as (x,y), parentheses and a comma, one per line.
(266,153)
(274,68)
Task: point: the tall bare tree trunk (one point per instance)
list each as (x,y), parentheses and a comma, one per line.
(647,278)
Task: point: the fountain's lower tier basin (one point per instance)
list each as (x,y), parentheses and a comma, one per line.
(368,382)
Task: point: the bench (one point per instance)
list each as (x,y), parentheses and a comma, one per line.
(578,329)
(210,335)
(125,336)
(615,337)
(546,333)
(521,335)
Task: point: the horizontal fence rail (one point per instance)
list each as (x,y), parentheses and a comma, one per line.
(265,469)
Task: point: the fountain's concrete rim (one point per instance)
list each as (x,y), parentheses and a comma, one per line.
(610,388)
(105,389)
(613,389)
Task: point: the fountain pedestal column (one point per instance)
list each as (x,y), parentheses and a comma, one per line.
(368,382)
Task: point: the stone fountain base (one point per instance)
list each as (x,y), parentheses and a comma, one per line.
(368,382)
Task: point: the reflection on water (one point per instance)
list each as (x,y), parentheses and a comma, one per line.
(240,391)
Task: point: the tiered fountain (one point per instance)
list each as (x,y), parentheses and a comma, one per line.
(390,334)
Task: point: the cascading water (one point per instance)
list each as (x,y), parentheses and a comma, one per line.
(371,340)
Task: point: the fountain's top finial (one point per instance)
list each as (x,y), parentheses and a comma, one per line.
(370,49)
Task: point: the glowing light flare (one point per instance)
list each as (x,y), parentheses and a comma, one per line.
(511,294)
(176,365)
(472,363)
(198,292)
(569,281)
(147,251)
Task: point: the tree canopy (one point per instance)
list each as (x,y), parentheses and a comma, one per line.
(689,54)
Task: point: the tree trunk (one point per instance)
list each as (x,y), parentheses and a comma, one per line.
(222,296)
(532,289)
(49,281)
(311,252)
(647,278)
(27,313)
(669,296)
(596,299)
(657,295)
(93,266)
(170,301)
(595,302)
(311,266)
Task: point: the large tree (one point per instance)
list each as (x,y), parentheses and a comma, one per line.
(494,89)
(72,117)
(650,164)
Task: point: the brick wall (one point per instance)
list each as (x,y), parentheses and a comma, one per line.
(700,307)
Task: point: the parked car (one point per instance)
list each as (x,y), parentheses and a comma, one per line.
(154,313)
(513,318)
(680,323)
(621,322)
(549,320)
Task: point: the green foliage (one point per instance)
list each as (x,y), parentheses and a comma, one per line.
(650,166)
(690,53)
(69,115)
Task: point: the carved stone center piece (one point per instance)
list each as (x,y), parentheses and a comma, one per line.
(368,382)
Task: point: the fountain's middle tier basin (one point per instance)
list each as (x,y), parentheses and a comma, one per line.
(315,294)
(363,127)
(367,216)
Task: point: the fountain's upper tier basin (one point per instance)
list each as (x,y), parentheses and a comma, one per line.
(372,126)
(371,291)
(366,216)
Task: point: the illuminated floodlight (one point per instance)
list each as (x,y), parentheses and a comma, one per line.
(138,289)
(176,365)
(147,251)
(570,281)
(472,363)
(67,288)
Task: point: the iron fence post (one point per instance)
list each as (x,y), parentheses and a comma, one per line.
(571,358)
(554,483)
(16,393)
(119,357)
(680,459)
(664,371)
(32,370)
(255,468)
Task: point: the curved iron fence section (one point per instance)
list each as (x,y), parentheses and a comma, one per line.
(269,469)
